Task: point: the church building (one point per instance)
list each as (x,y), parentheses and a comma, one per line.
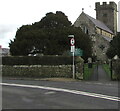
(102,29)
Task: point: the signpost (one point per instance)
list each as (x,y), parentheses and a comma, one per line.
(78,52)
(72,49)
(72,42)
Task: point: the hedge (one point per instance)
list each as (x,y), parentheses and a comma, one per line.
(42,71)
(37,60)
(116,68)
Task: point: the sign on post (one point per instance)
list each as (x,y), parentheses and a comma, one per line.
(72,49)
(72,41)
(78,52)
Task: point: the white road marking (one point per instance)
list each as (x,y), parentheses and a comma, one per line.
(113,98)
(109,84)
(49,92)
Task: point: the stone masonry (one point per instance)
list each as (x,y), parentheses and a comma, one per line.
(107,13)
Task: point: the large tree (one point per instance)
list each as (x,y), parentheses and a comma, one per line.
(114,47)
(49,36)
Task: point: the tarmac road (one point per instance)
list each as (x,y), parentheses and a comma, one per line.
(31,94)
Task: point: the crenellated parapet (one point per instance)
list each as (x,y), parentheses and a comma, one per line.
(107,13)
(111,5)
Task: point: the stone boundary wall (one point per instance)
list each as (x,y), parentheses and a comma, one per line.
(44,71)
(40,71)
(116,68)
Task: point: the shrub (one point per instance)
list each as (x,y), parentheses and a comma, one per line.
(116,68)
(45,66)
(38,60)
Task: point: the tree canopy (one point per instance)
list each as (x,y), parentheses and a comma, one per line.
(49,36)
(114,47)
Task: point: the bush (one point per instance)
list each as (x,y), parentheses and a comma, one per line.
(116,68)
(38,60)
(107,69)
(88,71)
(45,66)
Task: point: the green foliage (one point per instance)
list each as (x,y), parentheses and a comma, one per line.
(49,37)
(114,47)
(47,66)
(88,71)
(116,69)
(51,20)
(107,69)
(42,60)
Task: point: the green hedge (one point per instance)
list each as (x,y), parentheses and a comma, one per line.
(45,66)
(42,60)
(116,69)
(107,69)
(88,71)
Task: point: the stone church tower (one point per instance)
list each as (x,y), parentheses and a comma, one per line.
(107,13)
(102,29)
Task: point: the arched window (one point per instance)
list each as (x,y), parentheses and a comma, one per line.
(84,28)
(87,32)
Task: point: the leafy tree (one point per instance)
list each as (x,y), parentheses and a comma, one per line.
(114,47)
(52,21)
(49,37)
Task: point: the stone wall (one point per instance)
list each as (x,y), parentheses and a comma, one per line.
(79,68)
(40,71)
(85,23)
(100,43)
(100,47)
(43,71)
(107,13)
(116,68)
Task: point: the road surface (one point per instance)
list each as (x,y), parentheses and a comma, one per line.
(31,94)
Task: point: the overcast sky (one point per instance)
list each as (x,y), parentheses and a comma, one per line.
(15,13)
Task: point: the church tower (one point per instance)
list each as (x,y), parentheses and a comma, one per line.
(107,13)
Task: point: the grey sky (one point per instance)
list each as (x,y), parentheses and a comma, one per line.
(15,13)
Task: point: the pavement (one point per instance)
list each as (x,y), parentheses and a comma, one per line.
(100,75)
(42,79)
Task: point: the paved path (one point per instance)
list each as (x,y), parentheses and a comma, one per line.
(94,76)
(100,75)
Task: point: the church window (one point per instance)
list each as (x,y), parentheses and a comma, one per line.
(86,30)
(101,47)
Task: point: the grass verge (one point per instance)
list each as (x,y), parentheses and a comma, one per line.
(88,71)
(107,69)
